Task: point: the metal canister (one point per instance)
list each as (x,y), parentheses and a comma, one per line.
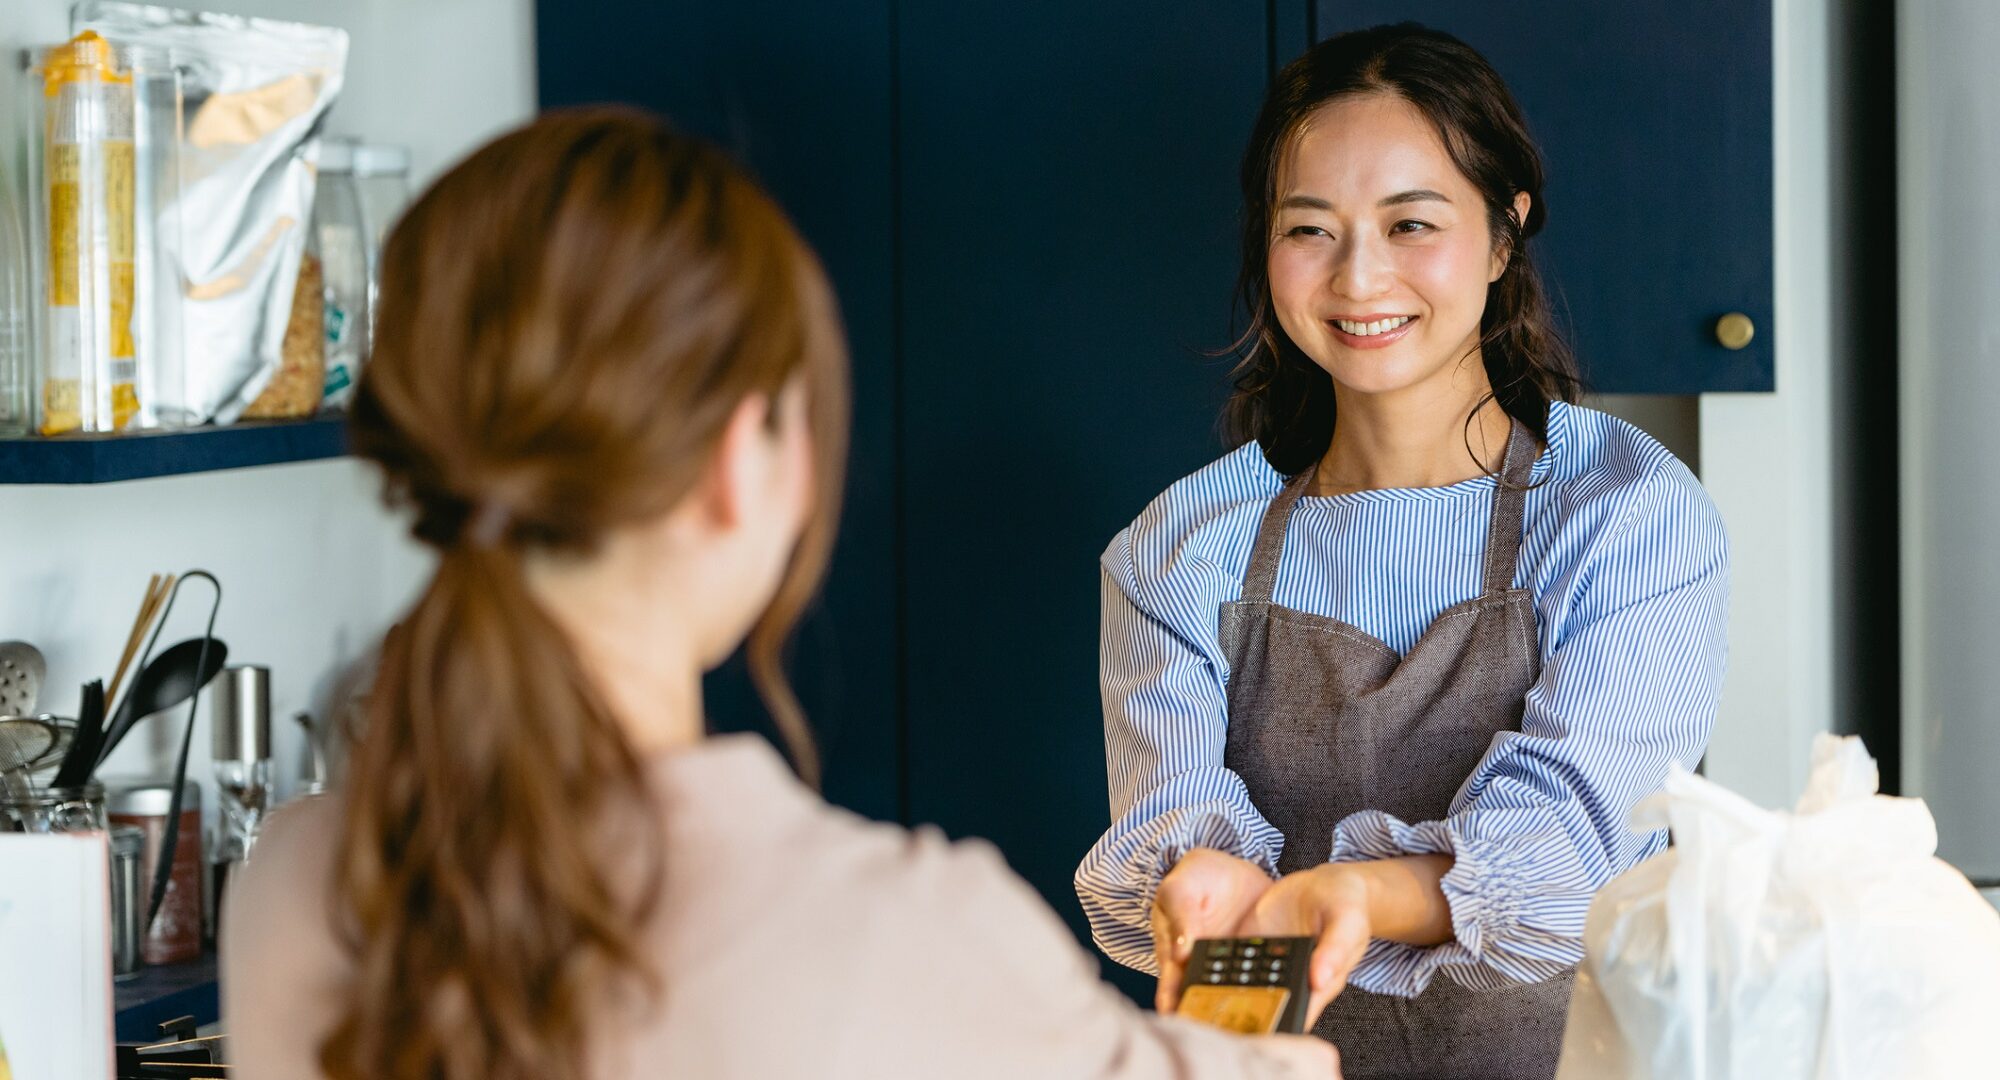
(174,933)
(241,715)
(128,899)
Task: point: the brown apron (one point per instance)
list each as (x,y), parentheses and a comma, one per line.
(1326,721)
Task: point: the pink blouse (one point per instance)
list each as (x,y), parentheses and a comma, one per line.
(795,940)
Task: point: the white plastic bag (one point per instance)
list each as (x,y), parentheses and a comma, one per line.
(1826,943)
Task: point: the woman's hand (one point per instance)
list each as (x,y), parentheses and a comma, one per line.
(1343,906)
(1205,895)
(1329,904)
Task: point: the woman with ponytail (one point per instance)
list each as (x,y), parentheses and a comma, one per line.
(610,388)
(1395,672)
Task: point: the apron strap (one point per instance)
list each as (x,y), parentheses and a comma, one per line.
(1510,496)
(1260,582)
(1503,539)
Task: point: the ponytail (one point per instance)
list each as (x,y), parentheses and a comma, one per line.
(469,865)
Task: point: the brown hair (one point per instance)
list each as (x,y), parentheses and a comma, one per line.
(1282,399)
(569,319)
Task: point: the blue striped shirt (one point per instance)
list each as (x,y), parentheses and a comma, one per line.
(1628,564)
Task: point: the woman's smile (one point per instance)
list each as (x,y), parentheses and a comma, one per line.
(1371,331)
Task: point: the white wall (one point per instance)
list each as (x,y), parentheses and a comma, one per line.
(1948,154)
(1765,456)
(311,570)
(311,566)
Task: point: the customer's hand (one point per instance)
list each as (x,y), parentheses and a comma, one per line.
(1205,895)
(1329,904)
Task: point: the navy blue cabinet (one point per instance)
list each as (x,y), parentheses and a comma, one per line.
(1068,213)
(800,92)
(1655,119)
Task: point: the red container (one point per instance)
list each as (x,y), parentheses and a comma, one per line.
(175,934)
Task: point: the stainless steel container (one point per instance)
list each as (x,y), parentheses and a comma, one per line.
(128,900)
(241,716)
(241,722)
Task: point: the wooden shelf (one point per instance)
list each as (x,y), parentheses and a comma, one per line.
(104,459)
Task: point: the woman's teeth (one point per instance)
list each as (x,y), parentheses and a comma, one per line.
(1370,329)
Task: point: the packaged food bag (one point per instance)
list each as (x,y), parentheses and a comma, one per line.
(1826,943)
(256,93)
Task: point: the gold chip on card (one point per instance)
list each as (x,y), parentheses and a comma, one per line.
(1252,1010)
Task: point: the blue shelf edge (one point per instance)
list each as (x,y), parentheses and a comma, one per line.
(104,459)
(160,994)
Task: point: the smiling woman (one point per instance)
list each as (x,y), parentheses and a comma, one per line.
(1422,186)
(1425,638)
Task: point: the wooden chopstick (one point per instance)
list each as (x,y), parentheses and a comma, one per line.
(157,588)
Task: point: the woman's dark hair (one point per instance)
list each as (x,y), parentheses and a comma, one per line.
(570,318)
(1282,399)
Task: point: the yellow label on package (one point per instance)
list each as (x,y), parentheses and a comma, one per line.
(91,366)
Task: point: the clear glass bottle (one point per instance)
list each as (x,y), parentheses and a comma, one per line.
(102,176)
(344,260)
(158,286)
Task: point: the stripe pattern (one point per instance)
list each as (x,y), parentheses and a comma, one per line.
(1628,563)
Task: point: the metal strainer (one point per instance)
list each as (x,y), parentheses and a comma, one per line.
(29,744)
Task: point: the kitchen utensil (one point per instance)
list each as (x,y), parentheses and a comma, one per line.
(165,682)
(56,731)
(22,744)
(25,741)
(209,648)
(157,588)
(22,670)
(81,760)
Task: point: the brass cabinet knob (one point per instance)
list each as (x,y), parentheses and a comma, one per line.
(1734,330)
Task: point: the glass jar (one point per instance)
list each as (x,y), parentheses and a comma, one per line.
(54,810)
(344,259)
(17,368)
(103,186)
